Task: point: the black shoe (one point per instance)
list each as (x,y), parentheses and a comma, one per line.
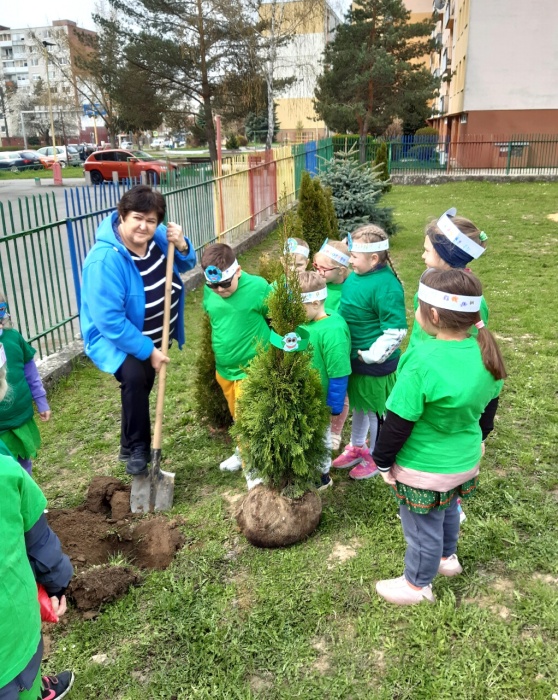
(325,482)
(124,454)
(138,461)
(55,687)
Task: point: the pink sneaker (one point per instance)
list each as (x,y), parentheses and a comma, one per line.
(349,457)
(366,469)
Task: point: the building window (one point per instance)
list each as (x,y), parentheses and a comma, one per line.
(463,118)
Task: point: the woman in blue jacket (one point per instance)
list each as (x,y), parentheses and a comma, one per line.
(121,315)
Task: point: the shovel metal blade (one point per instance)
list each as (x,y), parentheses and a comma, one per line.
(140,497)
(163,490)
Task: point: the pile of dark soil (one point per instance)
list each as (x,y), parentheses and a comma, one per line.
(102,529)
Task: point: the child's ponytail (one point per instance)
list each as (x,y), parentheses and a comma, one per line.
(491,355)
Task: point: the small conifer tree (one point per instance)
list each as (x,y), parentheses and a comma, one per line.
(281,415)
(381,166)
(313,212)
(210,401)
(334,224)
(356,191)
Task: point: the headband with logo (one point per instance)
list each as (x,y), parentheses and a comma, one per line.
(446,300)
(358,247)
(213,274)
(334,254)
(318,295)
(292,246)
(465,244)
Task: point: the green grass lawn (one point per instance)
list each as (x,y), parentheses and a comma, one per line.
(227,620)
(72,171)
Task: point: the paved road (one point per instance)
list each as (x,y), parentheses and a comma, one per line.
(10,190)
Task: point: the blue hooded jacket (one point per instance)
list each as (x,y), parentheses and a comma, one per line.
(113,299)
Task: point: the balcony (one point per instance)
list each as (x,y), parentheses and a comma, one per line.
(445,63)
(449,13)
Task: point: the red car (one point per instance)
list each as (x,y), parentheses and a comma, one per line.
(127,164)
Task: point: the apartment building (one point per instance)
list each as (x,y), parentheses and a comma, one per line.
(499,65)
(24,62)
(312,25)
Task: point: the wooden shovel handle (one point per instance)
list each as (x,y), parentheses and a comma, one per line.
(158,432)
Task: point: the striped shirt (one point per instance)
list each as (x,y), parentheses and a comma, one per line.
(152,268)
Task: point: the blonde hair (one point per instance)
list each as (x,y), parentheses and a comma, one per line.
(310,281)
(6,322)
(370,233)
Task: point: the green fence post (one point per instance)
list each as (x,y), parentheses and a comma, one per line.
(508,164)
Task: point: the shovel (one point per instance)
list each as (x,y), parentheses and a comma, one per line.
(155,490)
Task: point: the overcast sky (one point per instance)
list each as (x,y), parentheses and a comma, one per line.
(35,13)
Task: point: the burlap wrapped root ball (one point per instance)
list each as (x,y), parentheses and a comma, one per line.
(268,519)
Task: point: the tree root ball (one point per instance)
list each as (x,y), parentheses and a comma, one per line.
(101,584)
(268,519)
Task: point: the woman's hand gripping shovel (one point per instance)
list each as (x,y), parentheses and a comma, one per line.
(155,490)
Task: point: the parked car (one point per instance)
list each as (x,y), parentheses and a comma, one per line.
(19,160)
(102,164)
(126,145)
(157,143)
(65,155)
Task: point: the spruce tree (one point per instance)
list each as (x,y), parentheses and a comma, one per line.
(210,401)
(356,191)
(313,212)
(281,415)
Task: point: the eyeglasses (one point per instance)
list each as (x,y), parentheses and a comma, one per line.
(319,268)
(224,284)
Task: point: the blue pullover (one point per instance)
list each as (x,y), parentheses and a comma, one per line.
(113,299)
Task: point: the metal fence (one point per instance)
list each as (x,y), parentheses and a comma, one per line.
(530,154)
(42,251)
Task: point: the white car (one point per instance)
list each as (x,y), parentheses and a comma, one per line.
(126,145)
(157,143)
(65,156)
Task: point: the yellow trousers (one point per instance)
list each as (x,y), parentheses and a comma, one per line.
(231,389)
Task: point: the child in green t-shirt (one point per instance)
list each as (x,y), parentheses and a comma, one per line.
(438,415)
(18,429)
(450,242)
(373,305)
(235,302)
(331,352)
(295,255)
(332,263)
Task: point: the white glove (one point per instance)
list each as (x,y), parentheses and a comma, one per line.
(384,346)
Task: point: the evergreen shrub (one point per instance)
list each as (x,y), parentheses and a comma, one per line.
(281,414)
(381,166)
(315,212)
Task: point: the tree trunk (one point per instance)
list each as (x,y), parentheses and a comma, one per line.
(205,88)
(272,57)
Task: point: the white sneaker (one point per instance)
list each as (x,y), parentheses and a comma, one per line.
(232,464)
(398,591)
(252,480)
(450,566)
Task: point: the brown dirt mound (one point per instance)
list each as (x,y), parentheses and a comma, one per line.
(101,584)
(267,519)
(104,527)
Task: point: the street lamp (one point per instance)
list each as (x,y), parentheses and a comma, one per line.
(56,169)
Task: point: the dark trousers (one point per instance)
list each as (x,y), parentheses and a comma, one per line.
(25,680)
(136,379)
(429,536)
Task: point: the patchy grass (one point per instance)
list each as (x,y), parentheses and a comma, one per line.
(72,171)
(227,620)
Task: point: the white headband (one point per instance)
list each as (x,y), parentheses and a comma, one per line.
(291,246)
(450,230)
(445,300)
(318,295)
(213,274)
(334,254)
(3,359)
(366,247)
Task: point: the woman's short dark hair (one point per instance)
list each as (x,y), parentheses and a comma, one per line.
(143,199)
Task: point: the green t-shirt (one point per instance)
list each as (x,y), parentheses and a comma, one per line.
(371,304)
(19,409)
(237,324)
(444,387)
(331,345)
(333,298)
(418,335)
(21,505)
